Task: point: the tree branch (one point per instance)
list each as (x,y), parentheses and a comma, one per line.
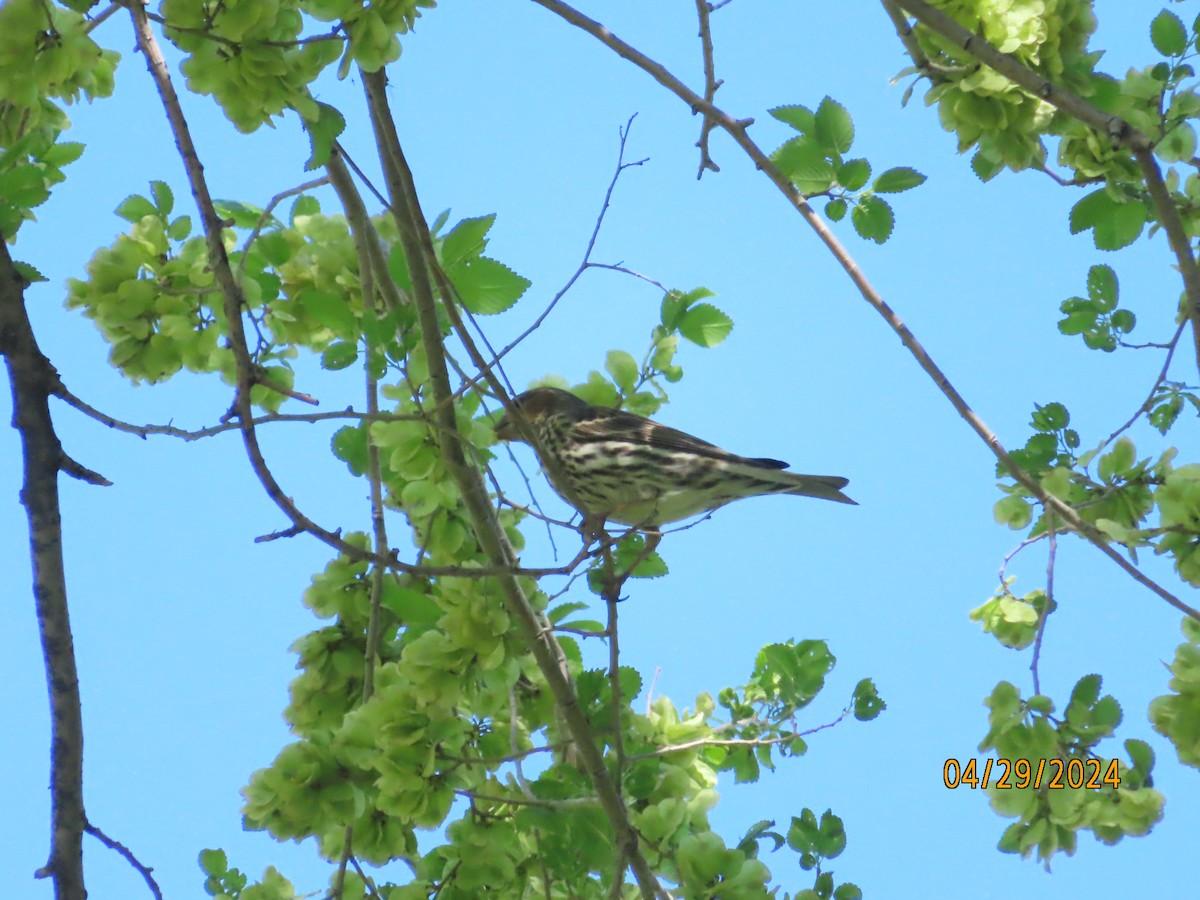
(32,380)
(711,83)
(145,871)
(414,236)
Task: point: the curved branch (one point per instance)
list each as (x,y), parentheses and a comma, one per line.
(142,869)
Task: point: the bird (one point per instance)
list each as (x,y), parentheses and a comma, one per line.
(615,466)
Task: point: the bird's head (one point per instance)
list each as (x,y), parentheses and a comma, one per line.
(536,406)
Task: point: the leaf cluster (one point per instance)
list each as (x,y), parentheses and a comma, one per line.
(815,162)
(1049,819)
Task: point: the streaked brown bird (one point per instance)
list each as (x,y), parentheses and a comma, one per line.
(628,469)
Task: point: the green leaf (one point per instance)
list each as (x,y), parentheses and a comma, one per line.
(349,444)
(410,606)
(804,162)
(873,218)
(468,238)
(1077,322)
(623,368)
(1114,225)
(867,702)
(853,174)
(180,228)
(673,305)
(330,310)
(653,566)
(164,199)
(243,215)
(1141,755)
(339,355)
(705,325)
(213,863)
(421,499)
(1013,511)
(134,208)
(985,169)
(1090,210)
(487,287)
(1178,145)
(836,209)
(1118,462)
(1123,320)
(63,153)
(560,612)
(1168,34)
(831,839)
(33,276)
(397,265)
(322,132)
(832,127)
(1102,287)
(895,181)
(274,247)
(799,117)
(1051,417)
(1122,228)
(305,205)
(1163,415)
(24,185)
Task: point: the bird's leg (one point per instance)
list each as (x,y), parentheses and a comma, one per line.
(592,529)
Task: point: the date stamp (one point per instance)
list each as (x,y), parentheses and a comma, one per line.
(1054,774)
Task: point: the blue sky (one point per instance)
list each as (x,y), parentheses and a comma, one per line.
(182,623)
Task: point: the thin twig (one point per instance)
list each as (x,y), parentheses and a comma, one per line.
(904,31)
(612,600)
(372,888)
(1047,607)
(586,263)
(1009,558)
(711,83)
(145,871)
(1149,401)
(617,267)
(97,20)
(266,216)
(185,434)
(514,722)
(363,234)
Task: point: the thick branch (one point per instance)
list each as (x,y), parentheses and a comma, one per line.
(414,239)
(737,130)
(32,379)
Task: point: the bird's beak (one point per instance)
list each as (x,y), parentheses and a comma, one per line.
(504,428)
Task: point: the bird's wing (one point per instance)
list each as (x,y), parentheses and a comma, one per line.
(616,425)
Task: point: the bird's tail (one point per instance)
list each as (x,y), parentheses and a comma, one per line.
(773,480)
(824,487)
